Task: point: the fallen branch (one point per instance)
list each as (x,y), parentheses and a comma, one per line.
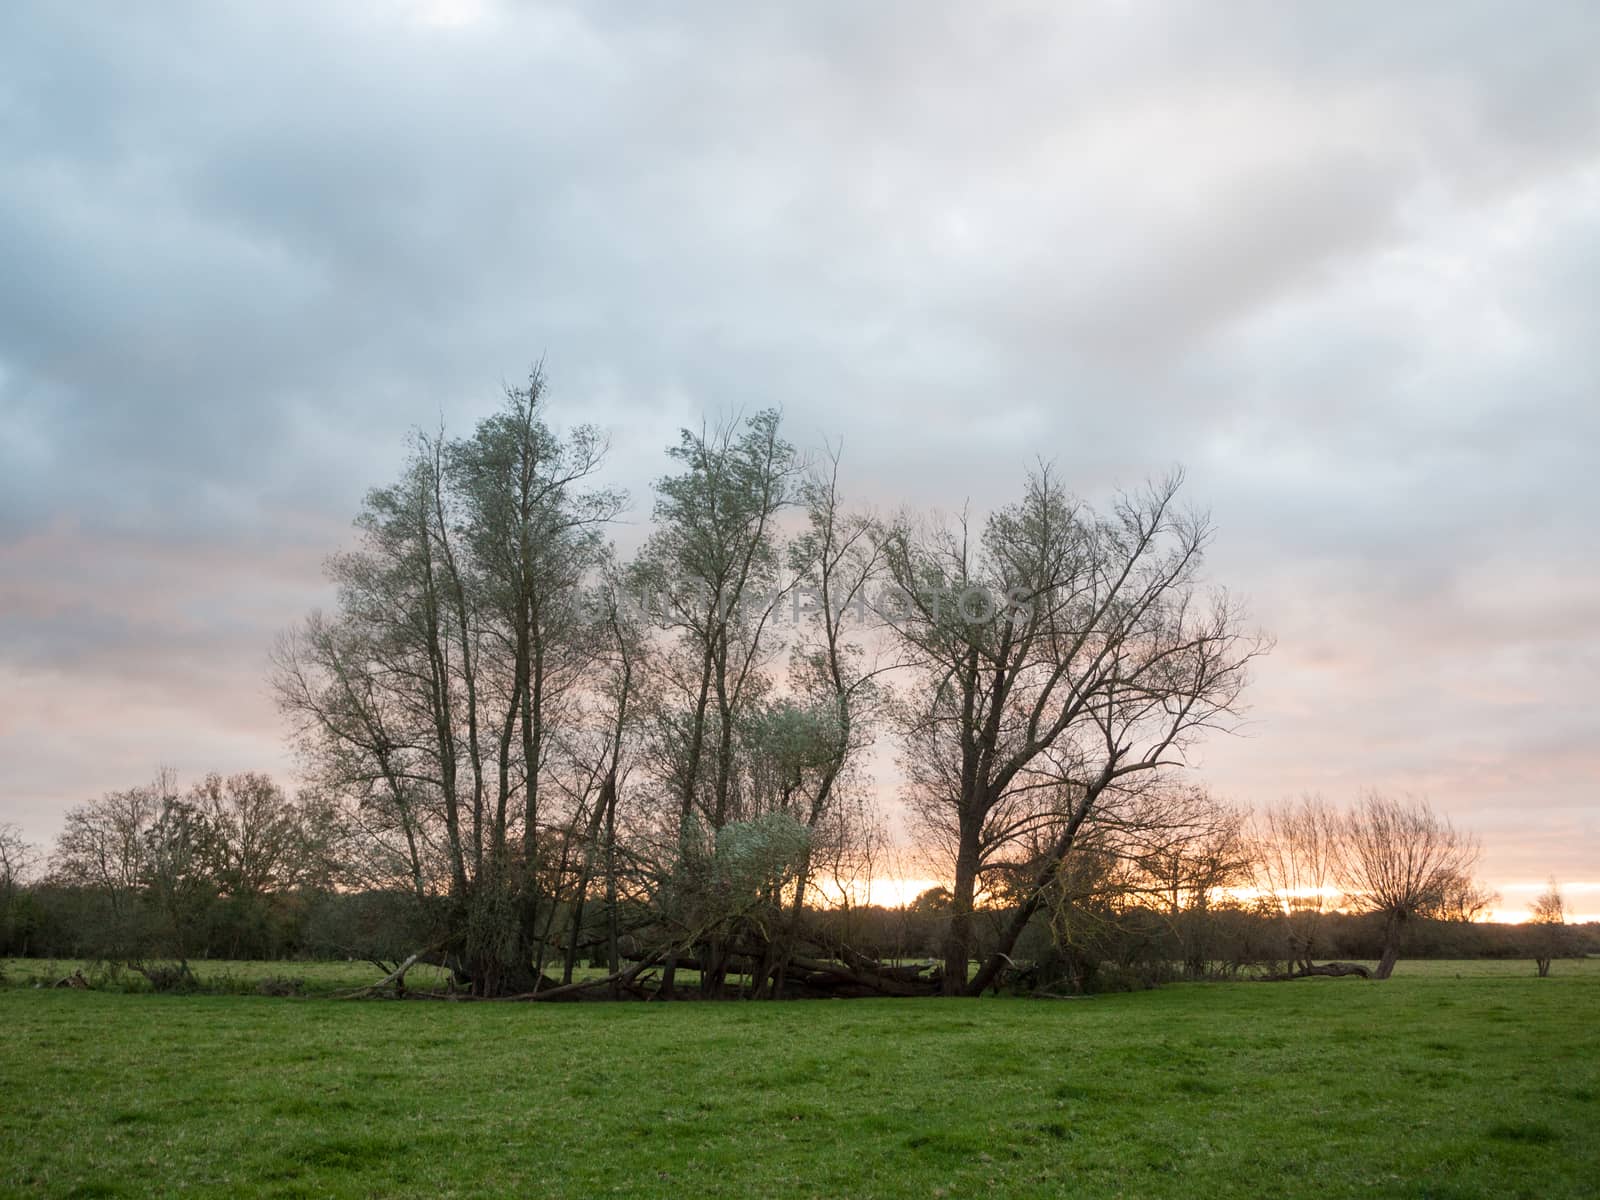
(569,991)
(817,978)
(1309,970)
(395,979)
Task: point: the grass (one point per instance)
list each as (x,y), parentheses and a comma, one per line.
(326,978)
(244,977)
(1429,1085)
(226,975)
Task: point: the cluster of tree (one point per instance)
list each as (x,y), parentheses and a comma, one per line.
(251,878)
(1119,944)
(547,755)
(1182,886)
(1395,860)
(532,737)
(226,867)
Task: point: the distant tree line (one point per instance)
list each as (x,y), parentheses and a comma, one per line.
(229,867)
(523,755)
(249,879)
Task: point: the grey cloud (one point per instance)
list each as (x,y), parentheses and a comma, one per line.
(1338,261)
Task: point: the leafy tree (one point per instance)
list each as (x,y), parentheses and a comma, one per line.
(709,581)
(433,708)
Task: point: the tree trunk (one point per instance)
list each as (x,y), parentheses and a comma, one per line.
(958,939)
(613,961)
(1391,949)
(569,959)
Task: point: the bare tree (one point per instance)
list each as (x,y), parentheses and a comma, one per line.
(709,578)
(259,835)
(1397,860)
(601,756)
(1295,863)
(534,533)
(1464,899)
(102,849)
(18,919)
(808,745)
(1189,857)
(472,722)
(180,851)
(1057,653)
(1547,919)
(17,860)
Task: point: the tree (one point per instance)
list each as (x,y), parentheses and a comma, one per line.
(263,841)
(18,912)
(473,708)
(934,901)
(17,858)
(709,581)
(1464,900)
(709,578)
(102,850)
(433,707)
(533,531)
(1057,653)
(603,750)
(1398,860)
(1188,858)
(808,744)
(1294,867)
(267,849)
(1547,921)
(176,872)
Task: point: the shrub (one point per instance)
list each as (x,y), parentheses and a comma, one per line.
(281,985)
(169,977)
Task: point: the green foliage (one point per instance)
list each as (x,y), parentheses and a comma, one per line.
(760,853)
(734,867)
(1431,1085)
(22,919)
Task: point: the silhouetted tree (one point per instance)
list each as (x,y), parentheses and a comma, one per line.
(1057,652)
(1398,860)
(1294,867)
(1547,923)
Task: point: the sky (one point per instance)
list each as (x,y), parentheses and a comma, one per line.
(1340,262)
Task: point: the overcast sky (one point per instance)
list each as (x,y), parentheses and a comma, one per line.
(1344,266)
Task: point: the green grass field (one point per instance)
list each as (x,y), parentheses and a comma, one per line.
(316,978)
(1451,1080)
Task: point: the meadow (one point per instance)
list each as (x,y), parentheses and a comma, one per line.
(1451,1080)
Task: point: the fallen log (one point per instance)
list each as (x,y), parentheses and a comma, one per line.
(572,991)
(813,978)
(1310,970)
(395,979)
(868,965)
(838,979)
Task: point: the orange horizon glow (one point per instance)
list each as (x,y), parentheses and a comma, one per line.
(888,891)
